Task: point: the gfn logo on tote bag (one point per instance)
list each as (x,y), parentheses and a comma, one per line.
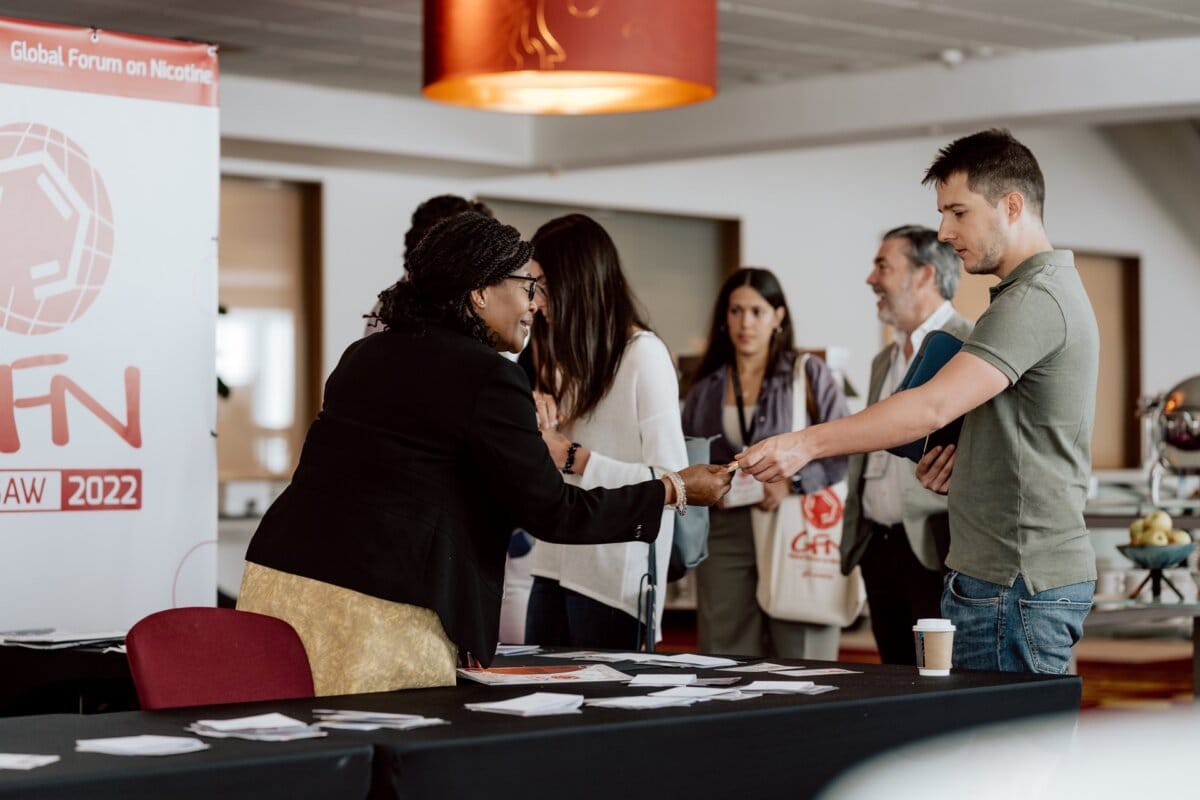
(822,511)
(56,226)
(57,233)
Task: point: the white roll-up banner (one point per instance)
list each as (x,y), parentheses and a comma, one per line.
(109,182)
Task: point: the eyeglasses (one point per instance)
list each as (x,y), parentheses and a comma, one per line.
(534,286)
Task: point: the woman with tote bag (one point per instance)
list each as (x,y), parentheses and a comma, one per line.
(746,390)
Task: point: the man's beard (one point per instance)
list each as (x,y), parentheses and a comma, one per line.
(992,255)
(897,304)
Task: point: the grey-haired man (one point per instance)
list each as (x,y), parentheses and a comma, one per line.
(895,529)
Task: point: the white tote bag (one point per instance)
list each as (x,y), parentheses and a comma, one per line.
(798,548)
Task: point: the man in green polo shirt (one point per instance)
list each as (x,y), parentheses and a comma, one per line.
(1022,566)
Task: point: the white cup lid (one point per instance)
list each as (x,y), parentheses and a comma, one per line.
(934,624)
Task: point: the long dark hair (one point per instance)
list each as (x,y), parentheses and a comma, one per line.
(463,252)
(592,308)
(720,353)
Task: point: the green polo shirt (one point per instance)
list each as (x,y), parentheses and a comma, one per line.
(1025,456)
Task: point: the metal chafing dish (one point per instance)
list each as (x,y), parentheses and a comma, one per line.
(1173,428)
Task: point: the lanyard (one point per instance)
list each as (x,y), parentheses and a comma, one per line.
(747,432)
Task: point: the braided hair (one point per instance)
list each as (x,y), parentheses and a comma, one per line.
(462,253)
(436,209)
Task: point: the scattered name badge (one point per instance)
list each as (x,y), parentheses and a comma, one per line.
(745,490)
(876,465)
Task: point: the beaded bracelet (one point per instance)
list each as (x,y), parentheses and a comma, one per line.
(680,504)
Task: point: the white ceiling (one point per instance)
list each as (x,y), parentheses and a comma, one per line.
(375,45)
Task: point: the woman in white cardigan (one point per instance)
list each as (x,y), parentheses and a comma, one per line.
(608,406)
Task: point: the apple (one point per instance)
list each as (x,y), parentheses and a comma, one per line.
(1135,531)
(1157,538)
(1180,537)
(1159,520)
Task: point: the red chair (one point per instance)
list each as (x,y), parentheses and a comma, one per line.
(206,656)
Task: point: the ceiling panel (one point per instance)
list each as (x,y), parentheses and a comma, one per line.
(377,43)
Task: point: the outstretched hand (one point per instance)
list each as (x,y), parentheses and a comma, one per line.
(775,459)
(935,467)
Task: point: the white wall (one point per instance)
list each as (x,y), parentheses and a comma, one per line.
(813,215)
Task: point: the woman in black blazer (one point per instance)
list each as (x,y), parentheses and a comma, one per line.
(386,552)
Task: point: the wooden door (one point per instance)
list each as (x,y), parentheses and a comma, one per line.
(1113,286)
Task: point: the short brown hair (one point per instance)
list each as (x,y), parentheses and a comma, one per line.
(995,164)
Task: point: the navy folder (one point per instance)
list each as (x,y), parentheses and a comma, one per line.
(936,351)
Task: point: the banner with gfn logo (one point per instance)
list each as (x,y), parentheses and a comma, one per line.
(109,181)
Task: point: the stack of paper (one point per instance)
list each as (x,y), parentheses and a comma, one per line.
(639,703)
(703,694)
(809,673)
(648,659)
(672,679)
(762,666)
(273,727)
(559,673)
(54,639)
(538,704)
(372,720)
(141,745)
(787,687)
(792,672)
(516,649)
(693,660)
(714,681)
(25,760)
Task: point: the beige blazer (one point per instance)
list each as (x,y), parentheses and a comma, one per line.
(920,505)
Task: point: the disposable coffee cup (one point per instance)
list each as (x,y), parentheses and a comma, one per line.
(934,640)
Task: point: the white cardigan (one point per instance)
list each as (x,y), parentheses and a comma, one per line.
(635,426)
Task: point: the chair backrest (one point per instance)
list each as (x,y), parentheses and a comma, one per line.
(206,656)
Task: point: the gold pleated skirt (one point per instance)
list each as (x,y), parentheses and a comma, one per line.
(355,643)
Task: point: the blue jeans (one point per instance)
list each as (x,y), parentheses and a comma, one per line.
(1007,629)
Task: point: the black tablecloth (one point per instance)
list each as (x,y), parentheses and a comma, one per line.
(73,680)
(789,745)
(333,767)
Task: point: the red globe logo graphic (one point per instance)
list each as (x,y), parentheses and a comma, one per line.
(56,231)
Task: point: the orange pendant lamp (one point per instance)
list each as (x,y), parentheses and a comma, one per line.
(570,56)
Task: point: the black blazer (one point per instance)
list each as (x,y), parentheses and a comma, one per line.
(424,458)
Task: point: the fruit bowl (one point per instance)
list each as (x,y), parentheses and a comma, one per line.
(1157,556)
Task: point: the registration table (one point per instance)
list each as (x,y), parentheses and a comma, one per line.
(777,744)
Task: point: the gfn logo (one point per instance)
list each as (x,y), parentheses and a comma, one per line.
(56,239)
(56,229)
(818,545)
(823,510)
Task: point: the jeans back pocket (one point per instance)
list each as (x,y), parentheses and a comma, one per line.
(1052,627)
